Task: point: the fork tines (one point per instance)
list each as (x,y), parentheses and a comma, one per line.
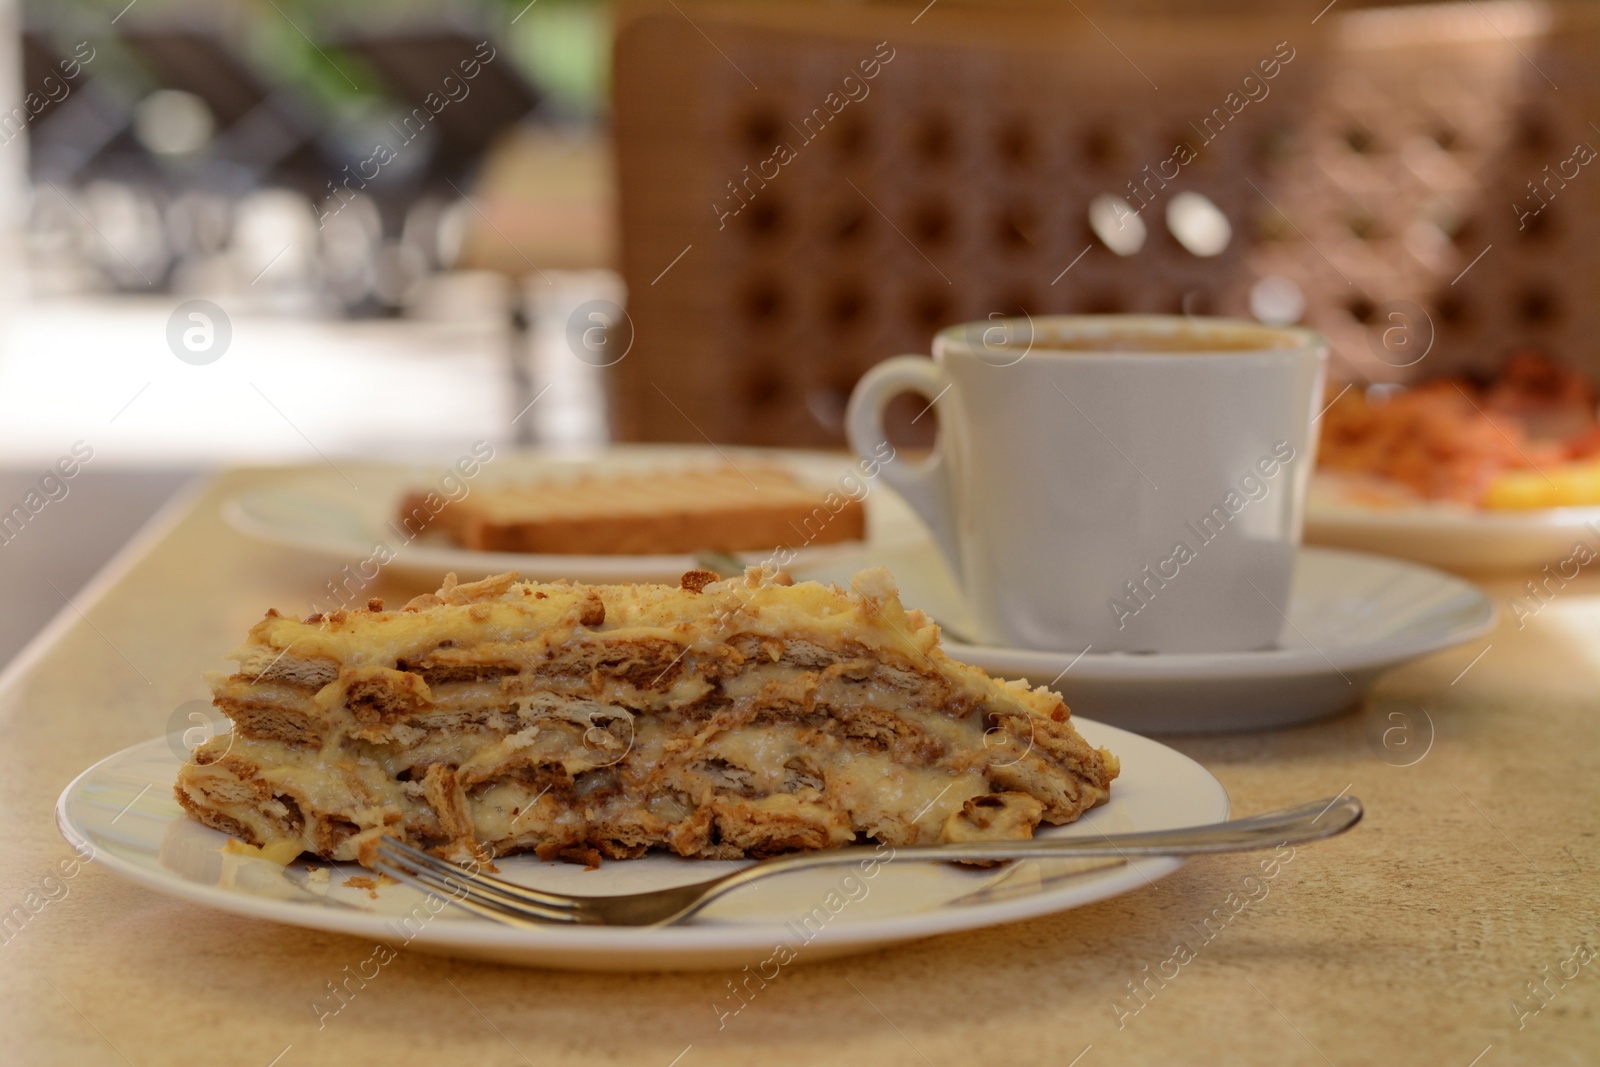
(482,894)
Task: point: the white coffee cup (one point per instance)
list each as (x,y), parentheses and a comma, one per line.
(1117,482)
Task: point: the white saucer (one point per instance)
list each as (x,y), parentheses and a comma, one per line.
(1352,616)
(344,519)
(1445,534)
(123,810)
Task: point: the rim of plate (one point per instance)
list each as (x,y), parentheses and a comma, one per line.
(1422,518)
(952,917)
(1323,509)
(1275,662)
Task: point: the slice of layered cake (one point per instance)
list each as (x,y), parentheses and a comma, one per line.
(717,719)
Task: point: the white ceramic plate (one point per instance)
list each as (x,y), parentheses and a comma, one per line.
(322,512)
(123,808)
(1444,534)
(1351,617)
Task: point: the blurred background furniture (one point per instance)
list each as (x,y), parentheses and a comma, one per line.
(225,150)
(992,166)
(355,135)
(1408,182)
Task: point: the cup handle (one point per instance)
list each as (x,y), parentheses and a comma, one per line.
(925,485)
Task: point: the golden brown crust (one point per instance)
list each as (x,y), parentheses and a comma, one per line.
(209,816)
(695,581)
(449,803)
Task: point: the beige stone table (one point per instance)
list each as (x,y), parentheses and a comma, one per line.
(1413,939)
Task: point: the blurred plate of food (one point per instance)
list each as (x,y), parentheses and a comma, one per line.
(1463,472)
(622,514)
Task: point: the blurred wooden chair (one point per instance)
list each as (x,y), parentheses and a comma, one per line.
(957,184)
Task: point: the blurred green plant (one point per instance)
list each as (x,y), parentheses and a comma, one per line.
(567,44)
(562,45)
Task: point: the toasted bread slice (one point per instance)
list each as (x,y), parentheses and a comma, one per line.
(727,509)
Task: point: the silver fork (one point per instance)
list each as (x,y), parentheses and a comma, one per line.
(519,905)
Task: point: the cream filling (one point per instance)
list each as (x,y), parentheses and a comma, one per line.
(869,786)
(281,851)
(922,797)
(865,788)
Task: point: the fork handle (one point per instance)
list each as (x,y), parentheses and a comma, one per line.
(1291,826)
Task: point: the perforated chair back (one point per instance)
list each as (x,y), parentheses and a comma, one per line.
(800,203)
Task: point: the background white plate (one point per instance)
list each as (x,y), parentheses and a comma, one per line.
(123,808)
(1444,534)
(340,518)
